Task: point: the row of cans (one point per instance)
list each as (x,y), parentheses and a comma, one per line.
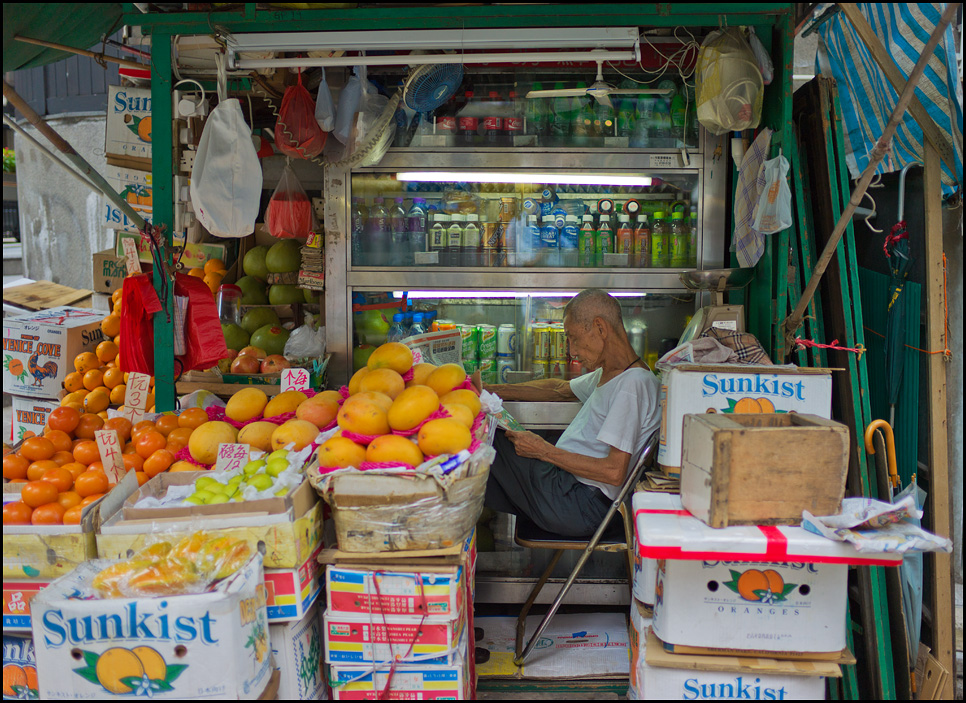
(492,370)
(488,341)
(549,341)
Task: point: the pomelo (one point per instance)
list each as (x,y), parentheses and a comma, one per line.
(285,294)
(254,263)
(285,256)
(253,291)
(271,338)
(256,318)
(235,337)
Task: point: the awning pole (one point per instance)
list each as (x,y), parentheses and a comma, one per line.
(83,52)
(96,179)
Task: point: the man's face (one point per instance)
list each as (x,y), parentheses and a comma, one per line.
(586,344)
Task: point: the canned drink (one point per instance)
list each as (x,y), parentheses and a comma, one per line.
(486,341)
(491,243)
(541,341)
(541,368)
(508,209)
(488,373)
(471,366)
(557,368)
(470,338)
(506,340)
(503,366)
(558,342)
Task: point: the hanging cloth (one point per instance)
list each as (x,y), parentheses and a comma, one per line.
(749,244)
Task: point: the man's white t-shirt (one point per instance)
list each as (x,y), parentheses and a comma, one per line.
(622,414)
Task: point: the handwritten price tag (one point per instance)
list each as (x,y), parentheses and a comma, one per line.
(295,380)
(131,256)
(138,388)
(109,447)
(135,415)
(231,457)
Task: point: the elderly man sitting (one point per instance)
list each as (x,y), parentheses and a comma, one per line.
(567,488)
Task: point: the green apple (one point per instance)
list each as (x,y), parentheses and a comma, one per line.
(253,467)
(276,466)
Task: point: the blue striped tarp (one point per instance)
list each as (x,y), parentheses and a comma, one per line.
(868,98)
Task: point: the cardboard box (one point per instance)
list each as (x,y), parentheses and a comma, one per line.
(19,668)
(665,676)
(207,645)
(43,295)
(29,417)
(730,388)
(41,346)
(16,603)
(291,592)
(128,130)
(48,551)
(772,588)
(432,591)
(110,271)
(640,624)
(137,189)
(751,469)
(194,256)
(297,648)
(368,639)
(645,570)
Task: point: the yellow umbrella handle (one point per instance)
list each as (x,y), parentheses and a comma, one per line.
(890,447)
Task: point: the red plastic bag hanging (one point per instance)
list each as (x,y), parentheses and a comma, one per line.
(204,340)
(139,302)
(297,133)
(289,214)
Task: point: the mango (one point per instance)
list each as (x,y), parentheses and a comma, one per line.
(391,355)
(384,381)
(411,407)
(246,404)
(393,448)
(445,378)
(301,433)
(465,397)
(363,416)
(341,452)
(287,402)
(443,436)
(257,435)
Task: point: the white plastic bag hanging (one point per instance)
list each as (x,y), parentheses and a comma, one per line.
(324,106)
(774,210)
(728,82)
(226,179)
(349,105)
(764,60)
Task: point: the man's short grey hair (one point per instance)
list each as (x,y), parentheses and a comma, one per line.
(591,303)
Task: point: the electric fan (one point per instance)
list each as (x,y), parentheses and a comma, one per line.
(431,85)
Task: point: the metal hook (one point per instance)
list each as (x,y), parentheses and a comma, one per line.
(871,214)
(902,191)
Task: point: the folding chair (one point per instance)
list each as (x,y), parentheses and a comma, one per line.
(613,535)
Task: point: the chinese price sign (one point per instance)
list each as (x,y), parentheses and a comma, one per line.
(109,447)
(295,380)
(231,457)
(136,395)
(131,256)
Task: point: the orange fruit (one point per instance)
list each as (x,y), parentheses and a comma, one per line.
(213,280)
(48,514)
(17,513)
(97,400)
(72,515)
(121,425)
(107,351)
(60,477)
(62,458)
(86,452)
(132,462)
(118,663)
(90,482)
(75,397)
(36,470)
(85,361)
(37,493)
(192,418)
(214,265)
(37,449)
(117,361)
(142,426)
(90,499)
(95,466)
(64,419)
(113,377)
(174,447)
(73,381)
(60,439)
(68,499)
(111,326)
(79,407)
(141,477)
(158,461)
(197,272)
(181,435)
(88,425)
(116,296)
(165,424)
(117,394)
(149,402)
(15,466)
(147,443)
(117,308)
(93,379)
(76,468)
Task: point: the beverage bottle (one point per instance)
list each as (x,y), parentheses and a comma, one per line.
(379,234)
(680,240)
(586,242)
(471,244)
(693,244)
(538,114)
(642,242)
(660,244)
(358,232)
(398,330)
(605,240)
(513,121)
(468,123)
(569,241)
(416,228)
(644,126)
(606,124)
(549,241)
(399,234)
(418,326)
(661,129)
(678,119)
(561,121)
(627,110)
(530,243)
(437,237)
(454,240)
(625,238)
(493,121)
(584,119)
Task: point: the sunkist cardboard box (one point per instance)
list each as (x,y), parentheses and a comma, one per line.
(137,189)
(128,133)
(39,348)
(732,388)
(19,668)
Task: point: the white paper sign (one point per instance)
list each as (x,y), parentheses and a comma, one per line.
(135,415)
(295,380)
(109,447)
(136,393)
(131,256)
(231,457)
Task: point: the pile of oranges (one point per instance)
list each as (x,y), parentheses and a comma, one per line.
(97,381)
(62,473)
(212,273)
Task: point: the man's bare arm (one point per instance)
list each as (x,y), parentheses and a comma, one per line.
(541,390)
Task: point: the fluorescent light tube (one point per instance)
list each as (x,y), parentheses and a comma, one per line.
(523,177)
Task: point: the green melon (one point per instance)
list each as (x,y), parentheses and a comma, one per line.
(284,257)
(256,318)
(284,294)
(271,338)
(253,291)
(254,263)
(235,337)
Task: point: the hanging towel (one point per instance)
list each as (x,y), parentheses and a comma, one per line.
(749,244)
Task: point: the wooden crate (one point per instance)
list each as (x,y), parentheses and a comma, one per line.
(762,469)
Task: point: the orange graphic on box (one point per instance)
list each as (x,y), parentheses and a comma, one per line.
(140,671)
(760,586)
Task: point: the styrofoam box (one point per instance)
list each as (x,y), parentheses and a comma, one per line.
(208,645)
(297,647)
(698,388)
(42,346)
(29,416)
(640,621)
(660,684)
(766,588)
(364,639)
(645,570)
(436,592)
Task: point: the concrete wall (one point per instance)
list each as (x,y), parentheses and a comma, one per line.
(61,220)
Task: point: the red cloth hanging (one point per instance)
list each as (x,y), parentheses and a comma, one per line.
(139,302)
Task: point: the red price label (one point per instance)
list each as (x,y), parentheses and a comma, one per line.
(295,380)
(109,447)
(137,391)
(231,457)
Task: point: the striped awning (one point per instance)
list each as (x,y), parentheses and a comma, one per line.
(868,98)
